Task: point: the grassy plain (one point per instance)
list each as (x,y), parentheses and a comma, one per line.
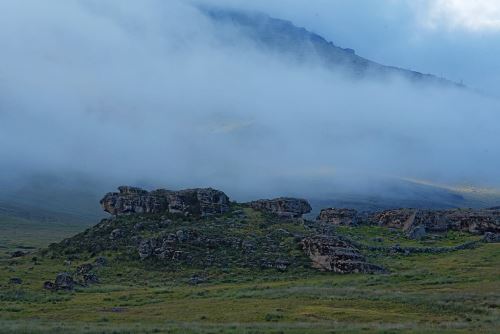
(456,292)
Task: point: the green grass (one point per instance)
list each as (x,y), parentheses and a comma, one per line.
(23,234)
(456,292)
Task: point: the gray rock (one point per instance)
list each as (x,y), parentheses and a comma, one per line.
(284,207)
(417,233)
(330,253)
(346,217)
(64,281)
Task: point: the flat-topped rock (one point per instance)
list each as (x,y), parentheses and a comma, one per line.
(346,217)
(200,201)
(284,206)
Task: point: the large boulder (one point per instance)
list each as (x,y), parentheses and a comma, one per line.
(200,202)
(330,253)
(346,217)
(286,207)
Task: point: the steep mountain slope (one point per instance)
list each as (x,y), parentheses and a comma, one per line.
(284,37)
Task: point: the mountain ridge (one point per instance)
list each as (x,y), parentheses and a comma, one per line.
(281,35)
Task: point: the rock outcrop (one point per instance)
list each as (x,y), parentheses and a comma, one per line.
(330,253)
(468,220)
(285,207)
(199,202)
(346,217)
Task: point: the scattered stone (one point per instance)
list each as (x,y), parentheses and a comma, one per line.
(284,207)
(196,279)
(345,217)
(15,280)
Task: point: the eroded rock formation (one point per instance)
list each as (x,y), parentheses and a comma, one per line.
(335,216)
(201,201)
(285,207)
(330,253)
(469,220)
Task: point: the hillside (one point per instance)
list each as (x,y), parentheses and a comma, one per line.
(166,258)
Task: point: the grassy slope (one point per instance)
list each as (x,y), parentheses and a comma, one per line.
(453,292)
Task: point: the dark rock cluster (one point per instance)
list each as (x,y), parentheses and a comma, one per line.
(84,275)
(285,207)
(200,202)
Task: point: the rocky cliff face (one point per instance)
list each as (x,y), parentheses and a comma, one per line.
(200,202)
(285,207)
(415,221)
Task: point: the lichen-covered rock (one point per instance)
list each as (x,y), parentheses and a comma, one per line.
(201,202)
(468,220)
(346,217)
(285,207)
(330,253)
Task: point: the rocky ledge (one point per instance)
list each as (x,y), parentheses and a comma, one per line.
(416,222)
(467,220)
(199,202)
(285,207)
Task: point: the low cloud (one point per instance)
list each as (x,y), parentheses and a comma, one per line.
(159,94)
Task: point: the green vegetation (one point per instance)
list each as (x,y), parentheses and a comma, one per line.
(456,292)
(23,234)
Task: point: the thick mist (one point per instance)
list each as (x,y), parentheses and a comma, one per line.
(155,93)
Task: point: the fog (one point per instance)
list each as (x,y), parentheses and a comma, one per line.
(155,93)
